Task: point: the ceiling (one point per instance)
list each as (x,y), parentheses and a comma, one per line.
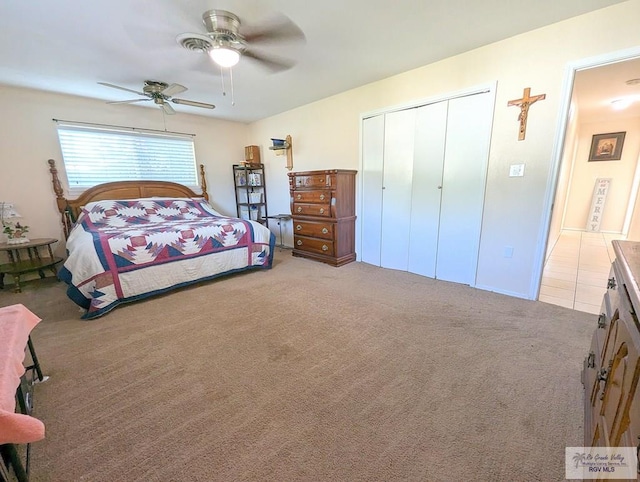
(594,90)
(67,46)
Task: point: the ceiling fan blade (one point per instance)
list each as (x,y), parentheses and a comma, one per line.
(106,84)
(276,29)
(167,108)
(127,101)
(193,103)
(271,63)
(174,89)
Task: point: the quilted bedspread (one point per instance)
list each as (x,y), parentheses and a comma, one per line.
(123,251)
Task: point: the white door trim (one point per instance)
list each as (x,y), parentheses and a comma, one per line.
(558,146)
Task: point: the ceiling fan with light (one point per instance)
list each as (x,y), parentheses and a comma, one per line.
(160,93)
(226,43)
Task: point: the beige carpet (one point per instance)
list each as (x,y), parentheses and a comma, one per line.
(308,372)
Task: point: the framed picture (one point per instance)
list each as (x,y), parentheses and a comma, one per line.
(607,147)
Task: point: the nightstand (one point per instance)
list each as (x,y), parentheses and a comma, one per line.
(18,265)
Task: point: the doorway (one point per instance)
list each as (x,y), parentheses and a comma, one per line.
(577,259)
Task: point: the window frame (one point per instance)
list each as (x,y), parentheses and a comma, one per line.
(143,142)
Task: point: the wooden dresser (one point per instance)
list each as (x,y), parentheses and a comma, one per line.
(323,207)
(612,368)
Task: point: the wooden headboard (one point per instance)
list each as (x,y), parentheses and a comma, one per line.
(70,208)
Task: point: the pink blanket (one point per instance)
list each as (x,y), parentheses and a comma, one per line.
(16,322)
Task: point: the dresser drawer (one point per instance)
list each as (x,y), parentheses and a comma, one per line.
(320,246)
(311,196)
(315,230)
(312,180)
(303,209)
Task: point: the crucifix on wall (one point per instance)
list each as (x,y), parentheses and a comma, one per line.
(524,105)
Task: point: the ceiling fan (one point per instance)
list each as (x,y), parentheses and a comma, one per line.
(226,43)
(160,93)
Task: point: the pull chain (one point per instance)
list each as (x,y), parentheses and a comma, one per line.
(224,93)
(233,100)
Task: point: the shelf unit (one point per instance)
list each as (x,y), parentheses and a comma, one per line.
(251,192)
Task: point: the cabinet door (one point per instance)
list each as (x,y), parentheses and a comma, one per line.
(614,405)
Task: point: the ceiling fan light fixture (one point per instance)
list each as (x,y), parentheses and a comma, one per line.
(224,56)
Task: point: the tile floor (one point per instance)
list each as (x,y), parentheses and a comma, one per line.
(575,275)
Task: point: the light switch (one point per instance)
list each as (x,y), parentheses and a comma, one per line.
(516,170)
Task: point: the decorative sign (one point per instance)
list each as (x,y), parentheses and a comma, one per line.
(597,204)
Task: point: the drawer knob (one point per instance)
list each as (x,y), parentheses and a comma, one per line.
(325,230)
(299,243)
(298,227)
(299,209)
(602,320)
(325,247)
(321,210)
(321,197)
(611,283)
(299,196)
(591,360)
(603,376)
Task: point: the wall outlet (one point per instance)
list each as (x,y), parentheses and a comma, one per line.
(508,252)
(516,170)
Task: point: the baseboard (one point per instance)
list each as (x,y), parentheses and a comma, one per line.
(502,292)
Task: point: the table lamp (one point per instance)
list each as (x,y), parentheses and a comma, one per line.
(15,233)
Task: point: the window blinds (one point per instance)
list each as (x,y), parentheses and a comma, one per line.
(94,155)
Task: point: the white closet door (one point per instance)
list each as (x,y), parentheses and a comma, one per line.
(465,170)
(399,134)
(428,160)
(371,210)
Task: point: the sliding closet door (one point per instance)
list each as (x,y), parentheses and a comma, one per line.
(428,160)
(464,178)
(399,134)
(371,210)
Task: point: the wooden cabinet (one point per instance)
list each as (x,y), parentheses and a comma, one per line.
(324,215)
(251,192)
(612,367)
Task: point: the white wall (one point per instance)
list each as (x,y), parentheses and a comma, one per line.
(29,139)
(326,133)
(585,174)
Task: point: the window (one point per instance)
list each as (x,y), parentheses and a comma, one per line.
(93,155)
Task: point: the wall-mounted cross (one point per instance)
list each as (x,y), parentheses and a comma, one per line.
(524,104)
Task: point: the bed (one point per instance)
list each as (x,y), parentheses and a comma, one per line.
(131,240)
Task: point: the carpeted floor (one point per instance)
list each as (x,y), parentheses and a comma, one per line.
(308,372)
